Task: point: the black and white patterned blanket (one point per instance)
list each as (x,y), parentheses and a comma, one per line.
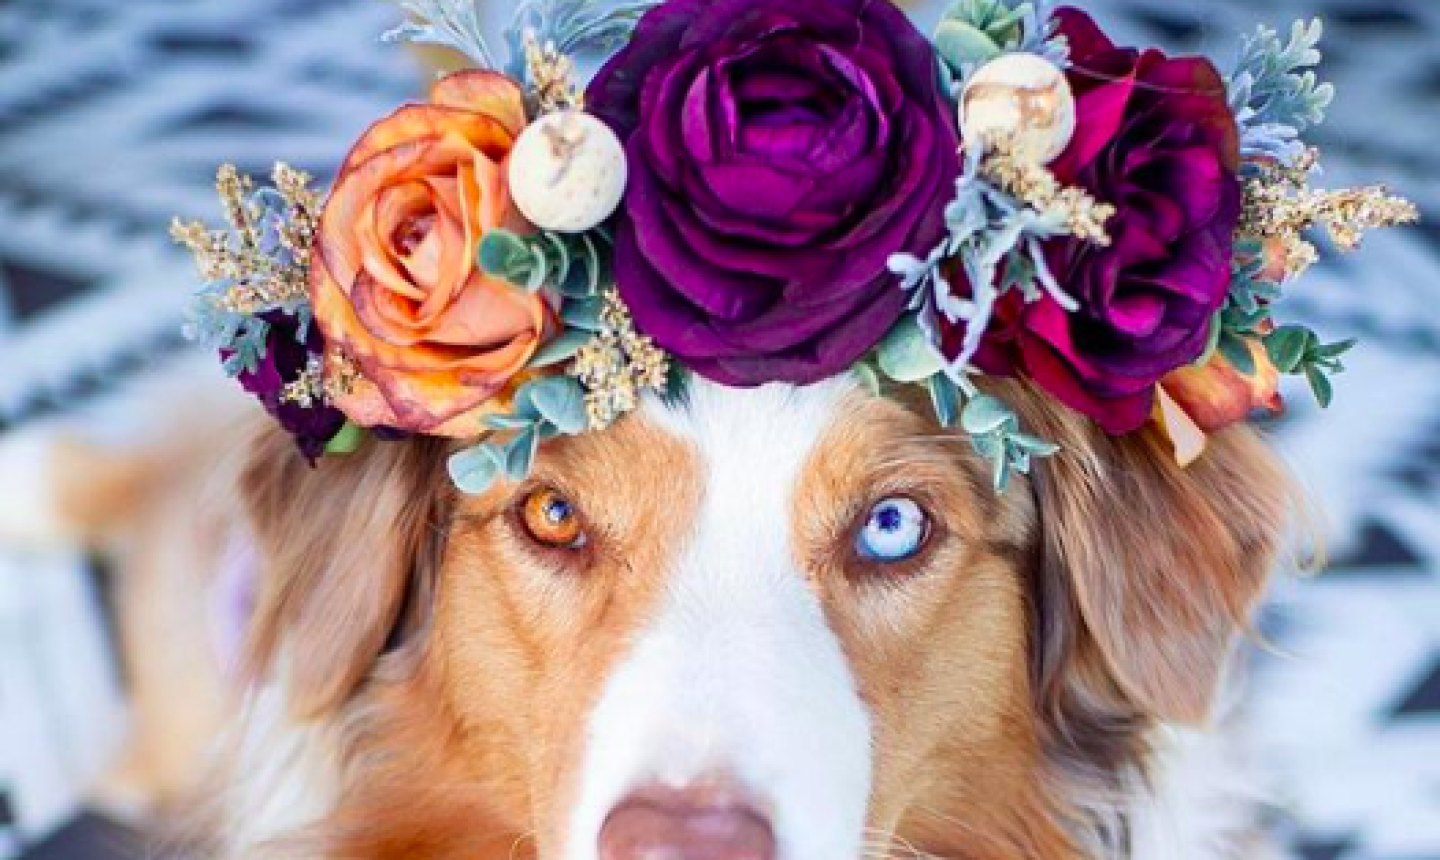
(113,114)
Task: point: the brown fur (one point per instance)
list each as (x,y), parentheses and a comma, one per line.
(1011,675)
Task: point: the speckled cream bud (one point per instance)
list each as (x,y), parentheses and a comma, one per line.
(1023,98)
(567,172)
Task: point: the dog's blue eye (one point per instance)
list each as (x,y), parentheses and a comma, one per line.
(895,530)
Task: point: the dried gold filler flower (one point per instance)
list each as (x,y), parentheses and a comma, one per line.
(617,365)
(1084,217)
(1280,205)
(552,76)
(260,278)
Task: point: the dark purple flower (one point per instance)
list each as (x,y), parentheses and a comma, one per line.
(1155,138)
(286,358)
(779,153)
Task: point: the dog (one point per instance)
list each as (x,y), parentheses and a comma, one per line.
(668,642)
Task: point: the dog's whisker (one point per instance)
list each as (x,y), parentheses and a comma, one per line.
(1012,845)
(521,840)
(891,846)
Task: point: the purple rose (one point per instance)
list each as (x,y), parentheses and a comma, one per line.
(1155,138)
(779,153)
(286,358)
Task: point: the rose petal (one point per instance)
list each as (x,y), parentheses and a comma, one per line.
(415,122)
(1083,36)
(486,92)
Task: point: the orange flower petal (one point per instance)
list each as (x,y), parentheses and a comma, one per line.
(425,401)
(485,92)
(1216,395)
(456,251)
(402,225)
(487,311)
(416,122)
(386,314)
(1185,436)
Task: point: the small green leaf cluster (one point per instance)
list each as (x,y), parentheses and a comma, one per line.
(994,430)
(1298,351)
(542,409)
(974,32)
(577,265)
(1248,315)
(906,356)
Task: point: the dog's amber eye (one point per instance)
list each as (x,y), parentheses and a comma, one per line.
(551,520)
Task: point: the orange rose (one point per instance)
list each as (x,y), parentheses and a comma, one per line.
(1196,401)
(395,284)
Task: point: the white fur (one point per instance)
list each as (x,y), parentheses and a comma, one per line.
(286,776)
(737,673)
(1200,804)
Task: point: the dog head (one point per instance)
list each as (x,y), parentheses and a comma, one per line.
(678,637)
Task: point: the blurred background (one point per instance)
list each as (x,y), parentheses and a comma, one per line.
(114,114)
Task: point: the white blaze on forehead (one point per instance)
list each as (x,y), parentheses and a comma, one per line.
(737,671)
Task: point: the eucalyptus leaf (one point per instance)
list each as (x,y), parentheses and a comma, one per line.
(562,348)
(523,407)
(502,253)
(560,400)
(1034,445)
(985,415)
(475,470)
(584,281)
(905,355)
(961,45)
(509,422)
(560,272)
(520,454)
(866,376)
(1000,469)
(584,314)
(945,398)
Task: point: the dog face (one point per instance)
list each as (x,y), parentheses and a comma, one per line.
(781,623)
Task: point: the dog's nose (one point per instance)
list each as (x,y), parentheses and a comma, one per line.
(702,822)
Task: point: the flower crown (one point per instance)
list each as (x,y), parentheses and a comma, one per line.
(761,191)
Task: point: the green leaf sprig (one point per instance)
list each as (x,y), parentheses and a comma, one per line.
(1248,315)
(542,410)
(906,356)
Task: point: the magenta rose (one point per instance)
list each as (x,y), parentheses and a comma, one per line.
(779,153)
(1156,138)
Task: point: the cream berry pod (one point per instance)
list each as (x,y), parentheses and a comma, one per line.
(1023,98)
(567,172)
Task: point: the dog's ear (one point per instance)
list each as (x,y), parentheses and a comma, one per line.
(341,545)
(1165,564)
